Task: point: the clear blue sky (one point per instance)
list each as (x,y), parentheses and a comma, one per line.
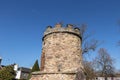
(22,23)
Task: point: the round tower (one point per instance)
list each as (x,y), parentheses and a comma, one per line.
(61,54)
(61,49)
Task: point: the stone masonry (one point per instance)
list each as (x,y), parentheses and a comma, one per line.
(61,54)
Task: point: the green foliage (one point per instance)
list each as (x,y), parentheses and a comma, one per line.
(35,66)
(7,73)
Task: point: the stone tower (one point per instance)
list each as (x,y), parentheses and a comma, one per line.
(61,54)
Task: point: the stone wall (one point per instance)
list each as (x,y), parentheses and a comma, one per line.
(53,76)
(62,52)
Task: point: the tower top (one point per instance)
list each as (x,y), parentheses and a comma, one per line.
(60,29)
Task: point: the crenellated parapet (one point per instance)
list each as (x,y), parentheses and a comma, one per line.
(60,29)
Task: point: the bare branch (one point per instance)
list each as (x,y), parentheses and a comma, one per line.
(83,29)
(88,46)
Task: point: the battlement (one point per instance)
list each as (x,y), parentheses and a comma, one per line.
(60,29)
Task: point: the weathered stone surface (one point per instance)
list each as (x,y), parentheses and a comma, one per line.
(59,46)
(61,53)
(53,76)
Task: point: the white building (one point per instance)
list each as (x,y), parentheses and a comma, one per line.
(21,72)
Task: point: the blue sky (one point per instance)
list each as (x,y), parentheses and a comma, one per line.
(23,22)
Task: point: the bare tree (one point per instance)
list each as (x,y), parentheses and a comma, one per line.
(104,63)
(89,70)
(87,43)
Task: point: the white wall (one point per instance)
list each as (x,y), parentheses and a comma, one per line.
(15,67)
(18,74)
(108,78)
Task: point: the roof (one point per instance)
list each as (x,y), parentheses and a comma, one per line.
(23,69)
